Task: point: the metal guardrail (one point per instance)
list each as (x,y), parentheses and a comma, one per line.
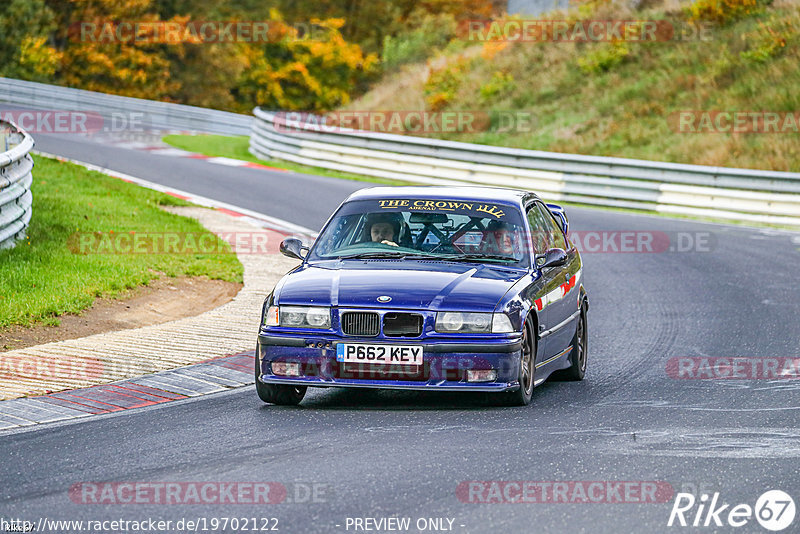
(697,190)
(156,115)
(718,192)
(16,199)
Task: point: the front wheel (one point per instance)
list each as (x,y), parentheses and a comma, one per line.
(284,395)
(578,356)
(523,395)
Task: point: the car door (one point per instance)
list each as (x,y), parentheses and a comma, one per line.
(550,280)
(563,298)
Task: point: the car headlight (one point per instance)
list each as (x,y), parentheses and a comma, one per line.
(298,316)
(476,323)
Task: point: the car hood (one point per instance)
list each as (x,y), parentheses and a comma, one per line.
(410,284)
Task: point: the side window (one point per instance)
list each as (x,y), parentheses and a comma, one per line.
(342,235)
(556,235)
(541,236)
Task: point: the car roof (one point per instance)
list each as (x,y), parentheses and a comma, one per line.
(474,193)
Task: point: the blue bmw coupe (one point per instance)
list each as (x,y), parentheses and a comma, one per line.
(428,288)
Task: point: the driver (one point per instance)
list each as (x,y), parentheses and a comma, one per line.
(384,228)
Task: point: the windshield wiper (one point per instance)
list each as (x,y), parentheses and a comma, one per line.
(473,257)
(372,255)
(421,255)
(387,254)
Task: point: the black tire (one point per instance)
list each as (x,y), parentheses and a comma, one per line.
(527,372)
(284,395)
(578,355)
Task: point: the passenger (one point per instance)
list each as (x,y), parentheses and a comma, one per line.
(498,239)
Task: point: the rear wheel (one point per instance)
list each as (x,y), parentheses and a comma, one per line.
(284,395)
(527,371)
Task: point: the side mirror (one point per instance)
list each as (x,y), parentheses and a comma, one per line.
(561,216)
(292,248)
(555,257)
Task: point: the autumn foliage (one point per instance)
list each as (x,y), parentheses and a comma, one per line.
(44,40)
(723,11)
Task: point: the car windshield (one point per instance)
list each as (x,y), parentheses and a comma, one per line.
(451,230)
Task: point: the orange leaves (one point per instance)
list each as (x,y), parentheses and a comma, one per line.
(312,72)
(127,47)
(723,11)
(37,59)
(119,69)
(96,58)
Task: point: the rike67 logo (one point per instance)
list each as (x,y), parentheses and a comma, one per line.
(774,510)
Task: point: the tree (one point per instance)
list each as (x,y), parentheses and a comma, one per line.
(25,50)
(310,74)
(95,58)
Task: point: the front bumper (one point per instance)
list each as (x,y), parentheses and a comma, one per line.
(445,364)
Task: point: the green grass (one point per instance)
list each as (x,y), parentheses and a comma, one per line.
(236,147)
(42,278)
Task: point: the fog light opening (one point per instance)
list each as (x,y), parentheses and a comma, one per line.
(481,375)
(286,369)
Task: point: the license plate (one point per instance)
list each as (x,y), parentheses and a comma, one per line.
(380,354)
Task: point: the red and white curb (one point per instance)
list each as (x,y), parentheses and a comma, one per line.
(217,160)
(211,376)
(155,145)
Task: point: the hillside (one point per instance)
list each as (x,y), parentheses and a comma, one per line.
(627,98)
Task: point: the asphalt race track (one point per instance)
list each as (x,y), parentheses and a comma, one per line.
(403,454)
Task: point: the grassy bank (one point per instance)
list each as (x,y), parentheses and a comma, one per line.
(621,98)
(236,147)
(43,276)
